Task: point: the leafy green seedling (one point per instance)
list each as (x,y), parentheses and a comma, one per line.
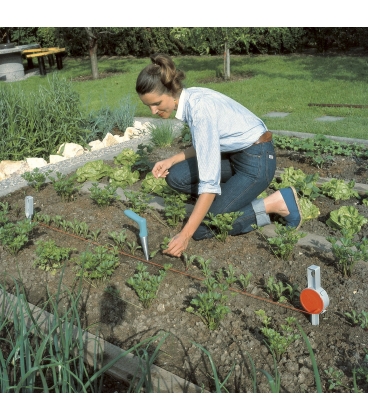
(174,208)
(347,251)
(14,236)
(244,281)
(65,186)
(283,244)
(133,247)
(210,306)
(164,245)
(97,266)
(221,223)
(188,260)
(356,318)
(50,256)
(146,285)
(103,196)
(143,163)
(277,290)
(137,201)
(335,378)
(186,135)
(36,179)
(94,234)
(266,320)
(278,341)
(119,238)
(204,265)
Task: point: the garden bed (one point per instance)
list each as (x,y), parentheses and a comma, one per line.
(113,309)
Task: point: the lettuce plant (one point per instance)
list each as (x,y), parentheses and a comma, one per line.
(306,185)
(127,157)
(93,171)
(123,177)
(346,218)
(308,209)
(339,189)
(154,185)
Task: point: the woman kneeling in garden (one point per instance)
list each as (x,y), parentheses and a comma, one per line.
(230,163)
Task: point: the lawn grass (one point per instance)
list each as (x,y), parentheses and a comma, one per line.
(271,83)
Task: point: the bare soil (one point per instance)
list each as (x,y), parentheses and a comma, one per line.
(118,315)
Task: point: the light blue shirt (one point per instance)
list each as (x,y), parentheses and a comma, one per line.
(218,124)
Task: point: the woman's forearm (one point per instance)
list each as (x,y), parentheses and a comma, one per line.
(199,212)
(186,154)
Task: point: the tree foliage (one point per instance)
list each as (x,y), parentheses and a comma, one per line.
(143,41)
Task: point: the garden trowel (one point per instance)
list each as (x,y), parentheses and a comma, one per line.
(143,234)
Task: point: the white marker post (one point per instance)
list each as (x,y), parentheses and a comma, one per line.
(29,207)
(314,299)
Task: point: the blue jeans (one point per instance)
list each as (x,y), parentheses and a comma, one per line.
(244,175)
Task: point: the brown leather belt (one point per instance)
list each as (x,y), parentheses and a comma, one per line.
(265,138)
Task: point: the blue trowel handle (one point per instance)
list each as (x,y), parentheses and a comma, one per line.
(142,223)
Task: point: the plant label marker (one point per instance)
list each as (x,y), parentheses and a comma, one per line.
(314,299)
(143,234)
(29,207)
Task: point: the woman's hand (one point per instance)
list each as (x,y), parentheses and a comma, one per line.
(177,245)
(161,169)
(179,242)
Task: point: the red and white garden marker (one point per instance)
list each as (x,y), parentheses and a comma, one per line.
(314,299)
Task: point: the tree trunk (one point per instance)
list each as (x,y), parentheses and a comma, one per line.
(227,62)
(93,53)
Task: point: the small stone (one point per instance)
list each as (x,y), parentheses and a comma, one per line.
(109,140)
(70,150)
(56,158)
(161,307)
(34,163)
(96,145)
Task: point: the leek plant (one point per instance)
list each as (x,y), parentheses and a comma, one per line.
(45,352)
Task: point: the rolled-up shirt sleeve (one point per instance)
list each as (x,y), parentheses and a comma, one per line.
(206,141)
